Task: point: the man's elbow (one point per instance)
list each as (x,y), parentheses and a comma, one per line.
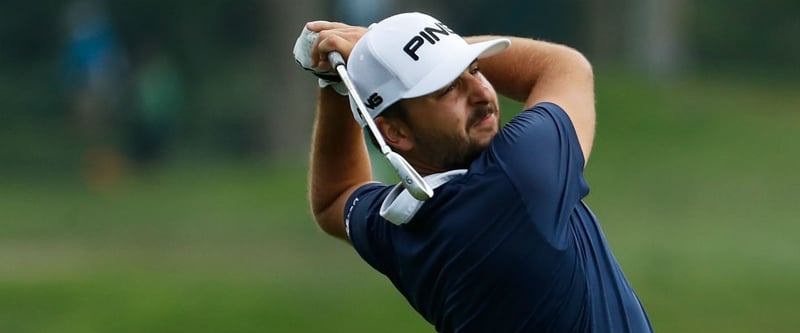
(324,223)
(566,58)
(579,62)
(328,222)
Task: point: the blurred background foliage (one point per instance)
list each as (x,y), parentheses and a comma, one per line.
(153,161)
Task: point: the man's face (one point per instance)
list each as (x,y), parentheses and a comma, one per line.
(453,125)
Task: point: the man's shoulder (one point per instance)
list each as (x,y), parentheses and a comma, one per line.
(369,196)
(541,111)
(536,131)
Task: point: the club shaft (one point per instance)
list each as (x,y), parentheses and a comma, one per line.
(337,61)
(411,179)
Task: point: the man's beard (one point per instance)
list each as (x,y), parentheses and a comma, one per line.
(450,151)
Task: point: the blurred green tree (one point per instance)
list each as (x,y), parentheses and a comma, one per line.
(245,95)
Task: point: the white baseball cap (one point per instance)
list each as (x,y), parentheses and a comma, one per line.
(409,55)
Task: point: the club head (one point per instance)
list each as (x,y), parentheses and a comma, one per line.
(411,180)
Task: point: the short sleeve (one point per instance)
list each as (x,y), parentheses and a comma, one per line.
(540,153)
(368,231)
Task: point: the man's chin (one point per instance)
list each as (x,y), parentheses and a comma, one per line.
(482,142)
(484,135)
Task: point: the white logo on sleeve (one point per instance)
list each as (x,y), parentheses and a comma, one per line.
(347,218)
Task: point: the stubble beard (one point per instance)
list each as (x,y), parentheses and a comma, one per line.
(448,151)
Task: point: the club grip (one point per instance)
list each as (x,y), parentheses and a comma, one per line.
(336,59)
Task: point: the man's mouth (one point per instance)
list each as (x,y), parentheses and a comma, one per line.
(481,116)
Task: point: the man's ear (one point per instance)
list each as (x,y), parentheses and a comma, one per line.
(396,134)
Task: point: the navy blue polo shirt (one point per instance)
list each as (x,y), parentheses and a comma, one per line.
(508,247)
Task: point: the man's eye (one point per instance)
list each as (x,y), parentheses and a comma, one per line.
(448,89)
(474,70)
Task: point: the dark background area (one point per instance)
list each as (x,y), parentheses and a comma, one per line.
(153,159)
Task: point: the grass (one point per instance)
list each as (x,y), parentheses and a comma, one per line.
(215,247)
(693,182)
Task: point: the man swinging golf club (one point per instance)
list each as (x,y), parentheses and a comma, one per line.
(496,237)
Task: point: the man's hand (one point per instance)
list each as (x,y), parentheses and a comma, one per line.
(333,36)
(302,55)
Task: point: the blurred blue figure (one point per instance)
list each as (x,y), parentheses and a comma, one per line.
(95,68)
(95,65)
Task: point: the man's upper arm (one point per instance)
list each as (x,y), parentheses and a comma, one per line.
(569,83)
(331,219)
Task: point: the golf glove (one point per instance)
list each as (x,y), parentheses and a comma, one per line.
(302,54)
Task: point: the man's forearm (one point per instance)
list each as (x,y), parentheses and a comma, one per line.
(515,72)
(532,72)
(339,159)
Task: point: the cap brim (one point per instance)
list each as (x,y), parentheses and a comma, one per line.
(452,68)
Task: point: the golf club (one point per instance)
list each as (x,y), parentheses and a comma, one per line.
(411,180)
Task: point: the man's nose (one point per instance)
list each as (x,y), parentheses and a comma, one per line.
(479,91)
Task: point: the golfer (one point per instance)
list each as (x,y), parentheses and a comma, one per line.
(505,243)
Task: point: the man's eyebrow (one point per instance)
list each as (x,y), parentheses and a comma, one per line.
(473,63)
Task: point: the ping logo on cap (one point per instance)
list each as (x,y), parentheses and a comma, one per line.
(426,34)
(373,101)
